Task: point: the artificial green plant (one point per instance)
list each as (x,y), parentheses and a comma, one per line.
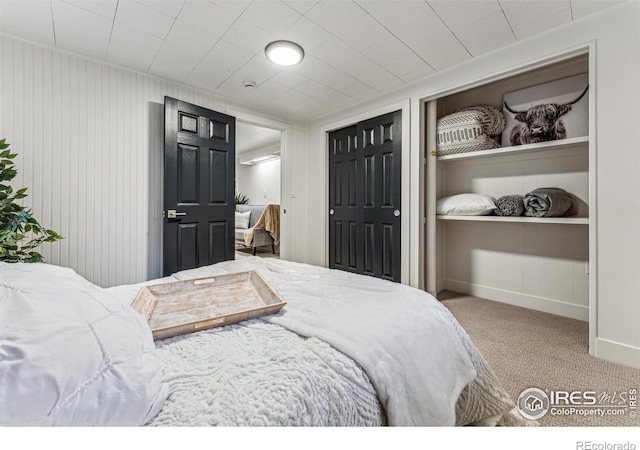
(20,232)
(241,199)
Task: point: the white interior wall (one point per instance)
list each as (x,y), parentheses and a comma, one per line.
(89,138)
(260,182)
(616,39)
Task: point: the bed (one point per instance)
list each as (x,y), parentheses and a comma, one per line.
(346,350)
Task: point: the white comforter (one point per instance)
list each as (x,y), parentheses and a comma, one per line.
(422,367)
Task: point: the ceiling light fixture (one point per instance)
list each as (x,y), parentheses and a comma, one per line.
(284,53)
(249,85)
(260,159)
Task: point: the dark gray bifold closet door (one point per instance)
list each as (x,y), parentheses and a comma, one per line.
(364,197)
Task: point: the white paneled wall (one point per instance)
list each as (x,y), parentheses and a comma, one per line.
(90,142)
(260,182)
(540,266)
(294,200)
(515,175)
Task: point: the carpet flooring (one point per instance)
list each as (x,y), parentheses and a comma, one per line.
(528,348)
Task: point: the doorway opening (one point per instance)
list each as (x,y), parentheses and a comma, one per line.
(258,189)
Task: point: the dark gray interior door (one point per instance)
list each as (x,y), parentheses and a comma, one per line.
(199,174)
(345,202)
(365,196)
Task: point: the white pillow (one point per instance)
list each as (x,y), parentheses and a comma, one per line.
(242,219)
(466,205)
(71,354)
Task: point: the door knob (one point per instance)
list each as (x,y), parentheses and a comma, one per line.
(331,211)
(173,214)
(396,212)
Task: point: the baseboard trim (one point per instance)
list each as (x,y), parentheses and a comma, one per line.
(439,285)
(547,305)
(617,353)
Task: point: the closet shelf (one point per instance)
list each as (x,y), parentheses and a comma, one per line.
(520,219)
(563,144)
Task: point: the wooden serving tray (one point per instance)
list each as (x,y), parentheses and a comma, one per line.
(184,307)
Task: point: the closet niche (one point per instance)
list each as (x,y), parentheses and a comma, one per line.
(540,263)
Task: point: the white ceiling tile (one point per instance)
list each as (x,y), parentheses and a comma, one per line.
(181,51)
(337,98)
(474,11)
(297,111)
(222,61)
(445,53)
(490,43)
(313,89)
(34,23)
(440,51)
(81,31)
(104,8)
(420,28)
(481,27)
(272,17)
(404,65)
(386,50)
(132,48)
(342,82)
(395,14)
(169,7)
(363,33)
(366,94)
(232,87)
(257,69)
(417,75)
(334,16)
(318,105)
(143,18)
(582,8)
(529,18)
(261,96)
(310,67)
(340,55)
(164,65)
(207,17)
(302,6)
(235,7)
(247,36)
(306,33)
(266,91)
(289,78)
(292,97)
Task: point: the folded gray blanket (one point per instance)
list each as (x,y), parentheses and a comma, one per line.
(510,205)
(547,202)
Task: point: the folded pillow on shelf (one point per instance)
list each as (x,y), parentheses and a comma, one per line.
(469,129)
(466,205)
